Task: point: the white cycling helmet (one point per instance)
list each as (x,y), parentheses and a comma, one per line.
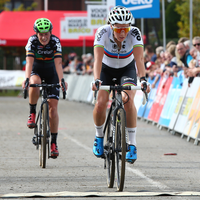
(120,15)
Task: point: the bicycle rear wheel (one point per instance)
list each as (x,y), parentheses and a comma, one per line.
(110,158)
(120,148)
(43,146)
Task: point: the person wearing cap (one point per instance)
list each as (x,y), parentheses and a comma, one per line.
(44,62)
(118,48)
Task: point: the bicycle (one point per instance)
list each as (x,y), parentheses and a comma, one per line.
(116,142)
(42,133)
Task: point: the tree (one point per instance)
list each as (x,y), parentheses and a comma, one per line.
(171,17)
(21,7)
(183,10)
(2,4)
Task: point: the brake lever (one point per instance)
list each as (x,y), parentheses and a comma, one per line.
(63,85)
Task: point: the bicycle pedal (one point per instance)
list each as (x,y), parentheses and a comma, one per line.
(54,157)
(103,156)
(127,147)
(34,140)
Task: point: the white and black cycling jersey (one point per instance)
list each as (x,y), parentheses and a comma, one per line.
(113,57)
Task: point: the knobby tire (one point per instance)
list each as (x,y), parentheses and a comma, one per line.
(44,133)
(120,148)
(110,158)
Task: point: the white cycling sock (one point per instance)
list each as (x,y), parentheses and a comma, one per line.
(132,135)
(99,131)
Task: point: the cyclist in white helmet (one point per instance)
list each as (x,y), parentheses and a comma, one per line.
(118,49)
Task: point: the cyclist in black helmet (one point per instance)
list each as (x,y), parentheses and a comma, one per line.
(44,62)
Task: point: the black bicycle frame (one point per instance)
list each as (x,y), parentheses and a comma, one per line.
(115,106)
(39,116)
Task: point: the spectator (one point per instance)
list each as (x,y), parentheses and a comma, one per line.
(89,63)
(194,69)
(170,43)
(159,50)
(187,44)
(182,39)
(146,59)
(71,68)
(150,52)
(65,61)
(173,67)
(185,57)
(195,55)
(80,68)
(23,65)
(150,69)
(196,44)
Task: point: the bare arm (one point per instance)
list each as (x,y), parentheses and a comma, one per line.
(59,70)
(98,57)
(139,59)
(29,66)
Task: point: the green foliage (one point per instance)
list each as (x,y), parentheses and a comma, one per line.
(2,4)
(171,20)
(21,7)
(183,10)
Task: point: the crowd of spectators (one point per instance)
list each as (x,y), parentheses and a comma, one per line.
(72,63)
(180,59)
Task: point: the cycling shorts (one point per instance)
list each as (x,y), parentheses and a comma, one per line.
(122,76)
(47,72)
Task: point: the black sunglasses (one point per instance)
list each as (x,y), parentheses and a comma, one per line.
(196,44)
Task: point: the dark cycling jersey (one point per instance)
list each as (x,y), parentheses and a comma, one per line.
(44,53)
(43,65)
(123,76)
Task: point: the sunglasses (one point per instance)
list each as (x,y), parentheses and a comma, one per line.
(198,44)
(118,30)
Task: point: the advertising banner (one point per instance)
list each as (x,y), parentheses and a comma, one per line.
(12,78)
(139,8)
(143,108)
(160,98)
(191,124)
(151,100)
(170,103)
(194,133)
(178,105)
(138,100)
(97,16)
(74,27)
(183,122)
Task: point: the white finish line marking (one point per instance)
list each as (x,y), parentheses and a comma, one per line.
(98,194)
(135,171)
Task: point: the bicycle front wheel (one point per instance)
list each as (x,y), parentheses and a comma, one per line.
(43,146)
(120,148)
(110,158)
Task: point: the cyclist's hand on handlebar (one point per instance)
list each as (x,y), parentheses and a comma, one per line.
(25,84)
(96,84)
(145,85)
(63,85)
